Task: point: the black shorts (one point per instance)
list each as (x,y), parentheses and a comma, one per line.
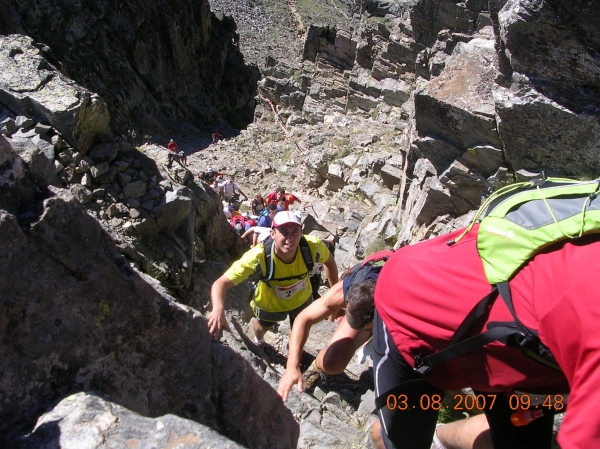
(414,427)
(268,319)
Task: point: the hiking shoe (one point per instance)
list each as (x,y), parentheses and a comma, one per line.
(312,377)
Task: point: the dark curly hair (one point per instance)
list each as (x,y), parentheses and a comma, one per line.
(360,300)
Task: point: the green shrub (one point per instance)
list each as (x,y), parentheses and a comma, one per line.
(342,152)
(376,245)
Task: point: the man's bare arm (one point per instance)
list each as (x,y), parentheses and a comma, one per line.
(331,302)
(216,318)
(330,268)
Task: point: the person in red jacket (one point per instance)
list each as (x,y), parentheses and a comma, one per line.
(175,154)
(173,147)
(423,293)
(283,199)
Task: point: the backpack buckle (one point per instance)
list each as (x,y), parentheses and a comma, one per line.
(420,366)
(526,341)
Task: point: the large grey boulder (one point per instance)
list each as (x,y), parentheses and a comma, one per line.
(462,183)
(458,106)
(136,189)
(554,43)
(336,46)
(539,133)
(39,160)
(428,17)
(391,175)
(485,158)
(548,117)
(31,86)
(335,176)
(87,421)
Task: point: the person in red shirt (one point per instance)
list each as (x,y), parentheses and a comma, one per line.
(423,293)
(273,197)
(280,198)
(216,136)
(175,154)
(173,147)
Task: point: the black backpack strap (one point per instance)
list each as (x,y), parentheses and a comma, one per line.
(306,257)
(526,338)
(269,251)
(424,364)
(306,254)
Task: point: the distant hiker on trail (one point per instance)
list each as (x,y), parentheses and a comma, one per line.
(210,175)
(258,204)
(216,187)
(288,291)
(216,136)
(266,220)
(173,147)
(229,190)
(256,234)
(275,196)
(423,294)
(230,212)
(292,201)
(241,222)
(175,154)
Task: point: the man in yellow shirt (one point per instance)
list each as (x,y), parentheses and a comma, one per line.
(288,291)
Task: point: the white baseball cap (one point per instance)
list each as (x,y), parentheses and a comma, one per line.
(286,217)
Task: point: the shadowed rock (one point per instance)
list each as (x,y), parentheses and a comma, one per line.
(31,86)
(75,317)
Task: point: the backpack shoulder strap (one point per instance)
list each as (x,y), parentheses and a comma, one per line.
(269,251)
(379,255)
(457,346)
(306,254)
(269,265)
(269,245)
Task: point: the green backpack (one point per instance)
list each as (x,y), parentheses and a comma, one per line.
(517,222)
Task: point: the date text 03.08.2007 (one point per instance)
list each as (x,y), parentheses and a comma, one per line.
(476,402)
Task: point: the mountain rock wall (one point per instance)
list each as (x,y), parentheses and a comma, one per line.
(32,87)
(480,94)
(151,62)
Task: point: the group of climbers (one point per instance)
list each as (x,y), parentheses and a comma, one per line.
(411,307)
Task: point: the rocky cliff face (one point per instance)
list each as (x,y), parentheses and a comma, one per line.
(454,98)
(74,316)
(399,116)
(151,62)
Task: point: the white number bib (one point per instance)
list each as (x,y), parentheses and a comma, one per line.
(290,290)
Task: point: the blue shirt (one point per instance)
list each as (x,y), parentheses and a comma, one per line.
(265,221)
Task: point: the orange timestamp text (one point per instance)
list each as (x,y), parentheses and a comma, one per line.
(474,402)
